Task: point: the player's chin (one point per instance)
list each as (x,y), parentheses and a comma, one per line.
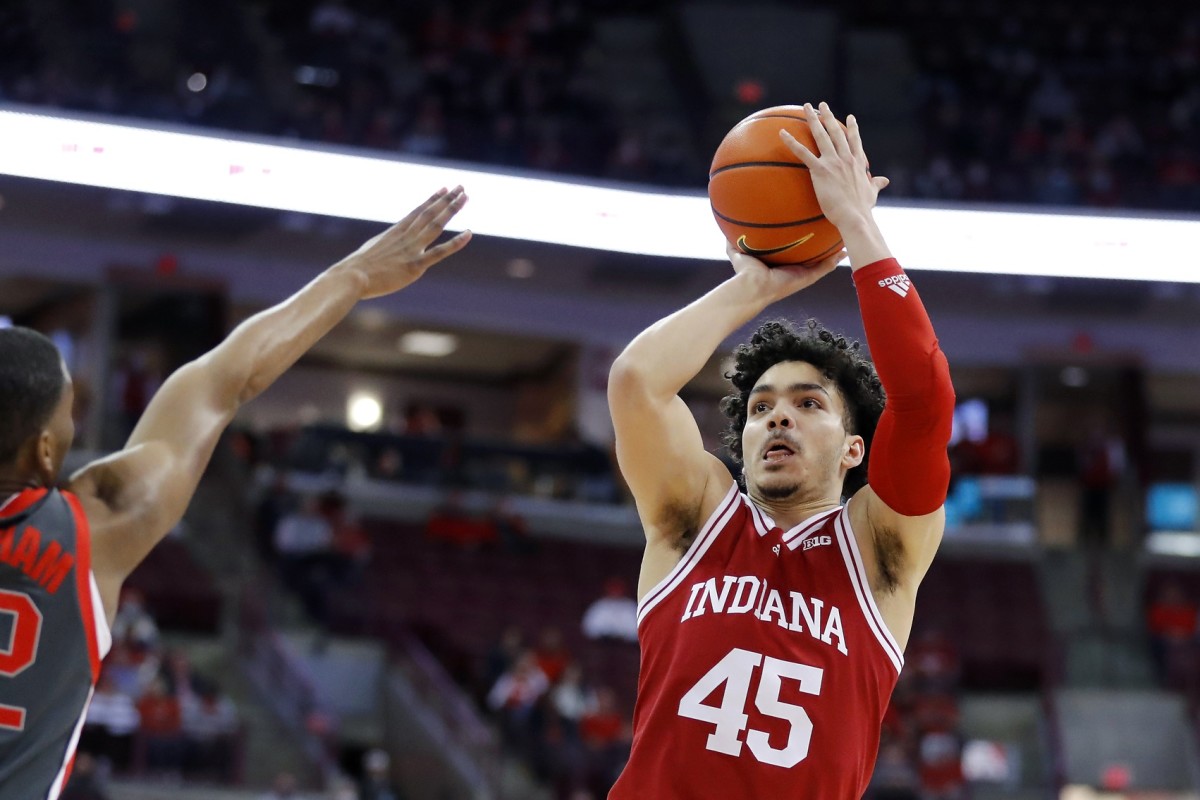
(777,487)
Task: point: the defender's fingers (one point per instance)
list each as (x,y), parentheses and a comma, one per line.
(432,207)
(416,212)
(434,226)
(447,248)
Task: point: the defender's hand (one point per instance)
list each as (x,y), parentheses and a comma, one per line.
(401,254)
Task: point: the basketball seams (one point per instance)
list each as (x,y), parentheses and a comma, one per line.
(773,116)
(822,256)
(740,164)
(733,221)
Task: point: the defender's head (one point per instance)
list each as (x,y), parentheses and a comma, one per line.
(36,427)
(803,411)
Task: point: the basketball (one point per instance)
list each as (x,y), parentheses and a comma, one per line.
(762,196)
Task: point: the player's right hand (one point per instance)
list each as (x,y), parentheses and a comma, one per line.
(776,283)
(401,254)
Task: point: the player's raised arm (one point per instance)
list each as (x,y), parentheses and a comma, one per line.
(659,447)
(134,497)
(908,472)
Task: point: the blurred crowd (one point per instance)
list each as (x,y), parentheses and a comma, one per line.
(571,729)
(153,713)
(1042,103)
(921,744)
(1056,103)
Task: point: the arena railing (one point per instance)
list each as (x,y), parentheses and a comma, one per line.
(430,697)
(283,682)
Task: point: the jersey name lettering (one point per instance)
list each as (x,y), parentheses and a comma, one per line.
(48,568)
(748,594)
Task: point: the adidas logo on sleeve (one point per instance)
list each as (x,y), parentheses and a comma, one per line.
(900,284)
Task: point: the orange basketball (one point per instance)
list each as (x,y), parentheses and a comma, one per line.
(762,195)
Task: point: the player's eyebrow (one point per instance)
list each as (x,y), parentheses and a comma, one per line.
(795,388)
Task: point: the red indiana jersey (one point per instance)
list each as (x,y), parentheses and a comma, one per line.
(766,667)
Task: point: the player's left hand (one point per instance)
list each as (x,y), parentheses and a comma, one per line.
(844,186)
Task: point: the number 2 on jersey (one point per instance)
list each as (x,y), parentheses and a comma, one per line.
(20,651)
(736,670)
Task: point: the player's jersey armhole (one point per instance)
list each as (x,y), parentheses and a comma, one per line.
(862,588)
(704,539)
(91,607)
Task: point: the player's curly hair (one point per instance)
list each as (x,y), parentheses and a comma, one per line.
(839,360)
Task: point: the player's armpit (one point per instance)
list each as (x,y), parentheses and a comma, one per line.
(661,454)
(904,546)
(133,498)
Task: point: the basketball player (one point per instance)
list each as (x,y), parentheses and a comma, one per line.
(773,622)
(64,554)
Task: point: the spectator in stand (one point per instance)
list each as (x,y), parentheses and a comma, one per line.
(606,737)
(613,615)
(935,712)
(934,661)
(450,522)
(131,668)
(283,787)
(210,725)
(1101,465)
(899,722)
(941,767)
(377,780)
(389,466)
(303,540)
(571,700)
(350,546)
(276,503)
(503,654)
(421,419)
(133,624)
(894,778)
(112,720)
(177,671)
(998,452)
(510,527)
(134,383)
(551,654)
(1171,620)
(515,699)
(161,728)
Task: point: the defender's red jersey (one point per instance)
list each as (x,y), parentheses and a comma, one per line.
(766,667)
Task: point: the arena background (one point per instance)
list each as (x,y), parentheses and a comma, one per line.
(428,501)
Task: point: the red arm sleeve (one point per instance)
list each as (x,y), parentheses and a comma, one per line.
(908,468)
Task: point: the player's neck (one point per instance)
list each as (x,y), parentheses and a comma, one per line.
(789,512)
(11,484)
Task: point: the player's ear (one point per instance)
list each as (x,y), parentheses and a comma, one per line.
(44,455)
(856,450)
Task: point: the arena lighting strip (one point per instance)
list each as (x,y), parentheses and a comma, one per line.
(320,181)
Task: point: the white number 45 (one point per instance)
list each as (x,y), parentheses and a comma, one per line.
(735,670)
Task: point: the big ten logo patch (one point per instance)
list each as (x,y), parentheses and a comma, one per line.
(817,541)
